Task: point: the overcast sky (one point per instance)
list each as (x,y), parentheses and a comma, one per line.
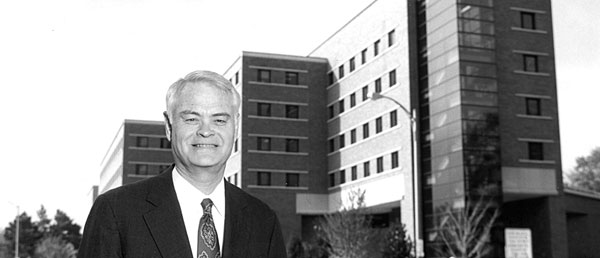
(72,71)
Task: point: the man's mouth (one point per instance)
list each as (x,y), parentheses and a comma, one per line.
(204,145)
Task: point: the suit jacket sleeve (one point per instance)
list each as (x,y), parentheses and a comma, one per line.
(100,235)
(277,247)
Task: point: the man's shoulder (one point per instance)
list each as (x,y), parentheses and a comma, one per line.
(249,201)
(138,189)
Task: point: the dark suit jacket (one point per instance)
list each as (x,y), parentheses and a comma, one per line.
(144,220)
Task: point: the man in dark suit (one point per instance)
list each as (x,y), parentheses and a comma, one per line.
(189,210)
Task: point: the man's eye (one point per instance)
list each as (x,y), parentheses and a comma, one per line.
(220,121)
(191,119)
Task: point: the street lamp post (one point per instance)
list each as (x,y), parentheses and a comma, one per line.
(415,178)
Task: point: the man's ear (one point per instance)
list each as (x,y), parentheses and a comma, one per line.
(167,125)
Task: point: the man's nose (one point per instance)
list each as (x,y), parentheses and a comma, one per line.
(205,130)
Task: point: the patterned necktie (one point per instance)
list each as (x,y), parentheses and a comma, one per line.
(208,240)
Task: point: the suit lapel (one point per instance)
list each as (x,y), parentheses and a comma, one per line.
(165,221)
(236,235)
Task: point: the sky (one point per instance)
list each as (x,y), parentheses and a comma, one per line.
(72,70)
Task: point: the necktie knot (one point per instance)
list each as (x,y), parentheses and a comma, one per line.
(207,205)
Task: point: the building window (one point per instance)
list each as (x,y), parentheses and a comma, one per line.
(292,111)
(394,159)
(341,71)
(331,77)
(376,48)
(378,85)
(331,180)
(235,179)
(367,169)
(237,77)
(530,63)
(352,136)
(533,107)
(342,176)
(341,106)
(292,179)
(352,65)
(331,111)
(536,150)
(165,143)
(141,169)
(392,77)
(292,145)
(263,143)
(354,173)
(331,143)
(263,178)
(391,38)
(352,100)
(264,75)
(528,20)
(379,164)
(365,93)
(365,130)
(142,141)
(393,118)
(291,78)
(235,146)
(264,109)
(342,141)
(378,125)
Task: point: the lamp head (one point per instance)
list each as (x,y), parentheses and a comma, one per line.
(374,95)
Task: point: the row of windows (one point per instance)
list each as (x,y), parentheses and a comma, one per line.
(264,75)
(342,177)
(233,179)
(236,78)
(264,179)
(265,144)
(152,142)
(341,70)
(290,111)
(341,104)
(341,139)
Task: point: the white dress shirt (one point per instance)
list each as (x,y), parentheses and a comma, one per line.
(190,199)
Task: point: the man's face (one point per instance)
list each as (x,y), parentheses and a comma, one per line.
(203,127)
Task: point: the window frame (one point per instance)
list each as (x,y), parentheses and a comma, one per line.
(292,183)
(263,143)
(533,106)
(292,80)
(263,109)
(262,72)
(535,151)
(527,20)
(292,145)
(263,178)
(292,111)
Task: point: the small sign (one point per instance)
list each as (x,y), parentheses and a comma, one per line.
(518,243)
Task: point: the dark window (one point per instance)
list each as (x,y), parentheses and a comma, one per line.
(342,176)
(392,76)
(341,106)
(363,56)
(141,169)
(292,111)
(235,146)
(376,48)
(536,150)
(391,37)
(533,107)
(365,93)
(235,179)
(354,173)
(393,118)
(331,77)
(367,169)
(352,136)
(365,130)
(331,112)
(352,65)
(264,109)
(331,180)
(263,178)
(142,141)
(378,125)
(292,179)
(264,143)
(394,159)
(352,100)
(264,76)
(291,78)
(528,20)
(530,63)
(342,141)
(165,143)
(237,77)
(341,71)
(378,85)
(379,164)
(292,145)
(331,143)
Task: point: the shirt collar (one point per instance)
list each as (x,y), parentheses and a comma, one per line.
(188,193)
